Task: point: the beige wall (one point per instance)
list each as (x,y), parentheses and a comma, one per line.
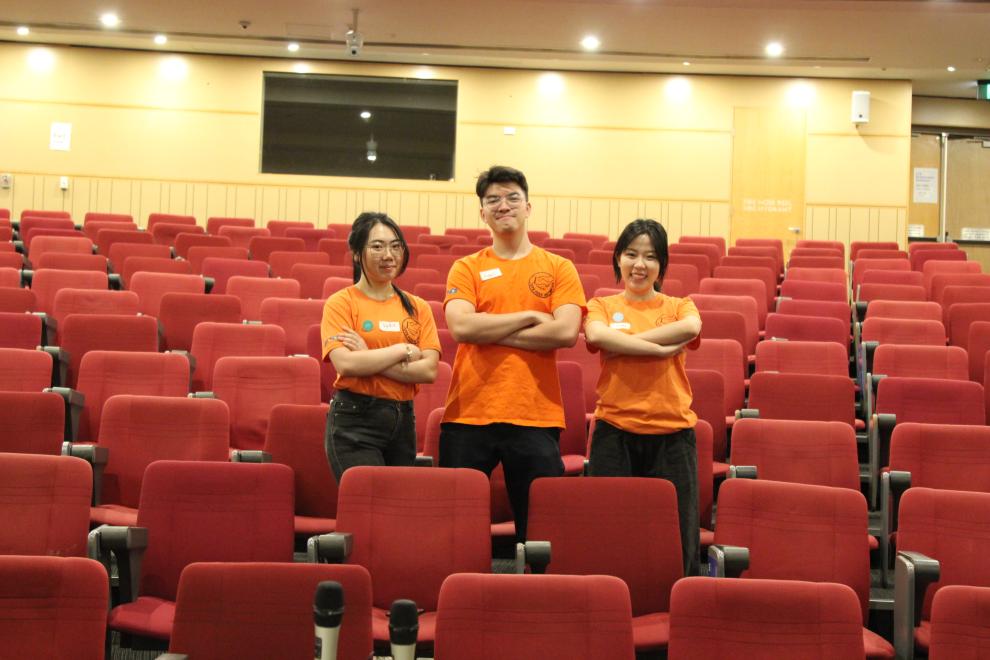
(599,149)
(950,113)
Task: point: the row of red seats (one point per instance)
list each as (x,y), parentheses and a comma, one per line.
(790,531)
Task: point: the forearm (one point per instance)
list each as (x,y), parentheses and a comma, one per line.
(614,341)
(548,336)
(677,332)
(484,328)
(368,362)
(420,371)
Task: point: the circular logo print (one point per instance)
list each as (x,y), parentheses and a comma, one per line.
(410,330)
(541,285)
(617,317)
(367,326)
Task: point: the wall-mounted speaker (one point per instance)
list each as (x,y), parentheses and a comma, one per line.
(860,107)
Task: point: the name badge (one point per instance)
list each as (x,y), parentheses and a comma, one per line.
(490,274)
(620,326)
(389,326)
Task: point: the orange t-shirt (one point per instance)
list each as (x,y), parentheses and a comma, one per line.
(644,395)
(493,383)
(380,323)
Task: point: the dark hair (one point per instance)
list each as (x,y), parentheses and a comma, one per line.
(357,240)
(658,237)
(500,174)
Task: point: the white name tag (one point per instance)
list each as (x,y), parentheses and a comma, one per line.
(490,274)
(389,326)
(620,326)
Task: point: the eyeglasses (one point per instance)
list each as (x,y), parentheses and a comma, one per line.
(512,200)
(378,247)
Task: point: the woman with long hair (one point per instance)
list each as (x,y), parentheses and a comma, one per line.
(383,343)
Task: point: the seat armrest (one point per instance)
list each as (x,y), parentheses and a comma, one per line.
(727,560)
(332,548)
(201,395)
(742,472)
(535,554)
(250,322)
(115,281)
(869,348)
(127,544)
(74,402)
(748,413)
(423,461)
(873,381)
(172,656)
(885,423)
(913,573)
(250,456)
(97,456)
(892,486)
(209,283)
(859,308)
(779,299)
(27,277)
(61,359)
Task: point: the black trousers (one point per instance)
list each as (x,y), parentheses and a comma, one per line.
(674,457)
(367,430)
(526,453)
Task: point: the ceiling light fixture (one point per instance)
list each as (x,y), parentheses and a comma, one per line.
(365,114)
(774,49)
(23,31)
(372,146)
(293,47)
(591,42)
(161,39)
(110,20)
(950,68)
(686,63)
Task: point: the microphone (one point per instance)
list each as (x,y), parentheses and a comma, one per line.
(403,629)
(328,610)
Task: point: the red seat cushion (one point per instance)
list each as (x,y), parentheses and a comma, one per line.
(147,616)
(651,631)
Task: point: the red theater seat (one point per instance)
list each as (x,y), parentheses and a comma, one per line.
(212,341)
(32,422)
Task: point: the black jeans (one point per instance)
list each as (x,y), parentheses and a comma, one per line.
(526,453)
(674,457)
(366,430)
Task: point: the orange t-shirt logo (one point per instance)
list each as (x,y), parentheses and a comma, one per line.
(541,285)
(411,329)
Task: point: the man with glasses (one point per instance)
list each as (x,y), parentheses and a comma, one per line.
(510,306)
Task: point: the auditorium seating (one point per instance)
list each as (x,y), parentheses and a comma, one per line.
(194,511)
(168,218)
(450,533)
(638,517)
(33,422)
(214,224)
(947,526)
(52,608)
(179,313)
(770,619)
(153,265)
(252,386)
(44,505)
(212,341)
(81,333)
(70,261)
(139,430)
(242,236)
(91,301)
(311,277)
(104,373)
(16,301)
(186,243)
(164,233)
(120,252)
(262,610)
(253,291)
(580,617)
(282,262)
(295,317)
(260,247)
(959,622)
(221,269)
(801,532)
(279,227)
(296,438)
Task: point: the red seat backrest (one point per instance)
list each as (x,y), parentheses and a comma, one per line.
(803,396)
(33,421)
(931,400)
(179,313)
(295,438)
(293,315)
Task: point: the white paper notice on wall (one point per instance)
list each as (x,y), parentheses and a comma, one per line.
(926,185)
(61,136)
(916,231)
(975,234)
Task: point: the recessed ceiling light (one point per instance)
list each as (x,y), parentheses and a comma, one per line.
(365,114)
(591,42)
(950,68)
(23,31)
(774,49)
(686,63)
(293,47)
(109,20)
(161,39)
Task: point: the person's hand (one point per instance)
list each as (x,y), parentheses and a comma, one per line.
(351,340)
(413,352)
